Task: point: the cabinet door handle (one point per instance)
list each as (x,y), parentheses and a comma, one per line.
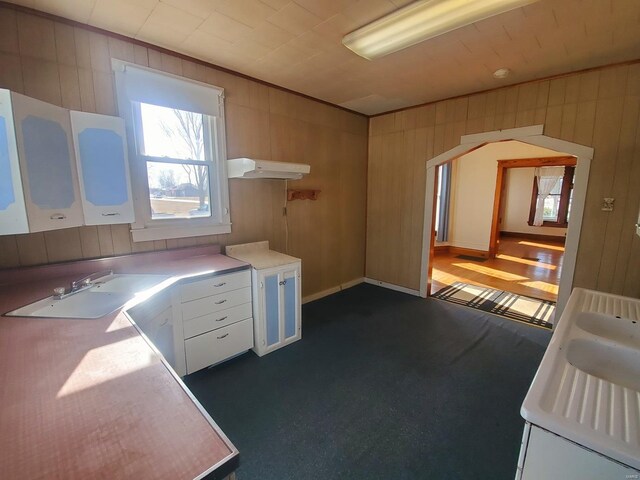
(284,282)
(220,284)
(221,319)
(166,320)
(111,214)
(221,301)
(222,336)
(58,216)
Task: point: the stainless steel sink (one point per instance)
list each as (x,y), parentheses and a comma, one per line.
(105,295)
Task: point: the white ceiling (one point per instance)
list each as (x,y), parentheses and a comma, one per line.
(297,44)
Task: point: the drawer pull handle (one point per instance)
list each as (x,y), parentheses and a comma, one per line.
(222,336)
(165,322)
(112,214)
(221,301)
(220,284)
(221,319)
(58,216)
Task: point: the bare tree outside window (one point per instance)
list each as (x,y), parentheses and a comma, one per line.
(190,131)
(167,179)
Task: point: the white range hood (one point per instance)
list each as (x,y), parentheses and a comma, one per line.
(250,168)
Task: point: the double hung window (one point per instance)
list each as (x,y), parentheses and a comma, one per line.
(176,140)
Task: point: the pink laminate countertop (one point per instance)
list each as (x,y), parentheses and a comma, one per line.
(91,399)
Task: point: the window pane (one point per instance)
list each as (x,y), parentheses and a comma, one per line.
(178,191)
(169,132)
(551,204)
(557,190)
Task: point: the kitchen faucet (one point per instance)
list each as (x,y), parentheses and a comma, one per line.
(79,285)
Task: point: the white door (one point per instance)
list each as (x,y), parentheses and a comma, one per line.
(47,164)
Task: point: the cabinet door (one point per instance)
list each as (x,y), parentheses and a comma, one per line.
(291,304)
(13,214)
(47,164)
(550,456)
(272,309)
(277,309)
(161,334)
(103,168)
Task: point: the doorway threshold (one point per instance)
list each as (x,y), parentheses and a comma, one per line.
(533,311)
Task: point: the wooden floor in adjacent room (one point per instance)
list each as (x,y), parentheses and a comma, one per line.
(515,268)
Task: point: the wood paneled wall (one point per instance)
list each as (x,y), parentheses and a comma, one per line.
(70,66)
(598,108)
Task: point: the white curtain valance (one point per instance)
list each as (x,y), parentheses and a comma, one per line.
(547,178)
(145,85)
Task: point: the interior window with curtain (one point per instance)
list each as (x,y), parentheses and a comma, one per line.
(551,196)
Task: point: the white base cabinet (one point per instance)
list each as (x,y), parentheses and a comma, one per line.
(155,318)
(276,307)
(215,314)
(199,323)
(545,455)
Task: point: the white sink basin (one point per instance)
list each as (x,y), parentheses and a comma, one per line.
(622,330)
(612,363)
(587,388)
(106,295)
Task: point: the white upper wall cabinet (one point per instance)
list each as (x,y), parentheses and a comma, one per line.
(103,168)
(47,164)
(13,214)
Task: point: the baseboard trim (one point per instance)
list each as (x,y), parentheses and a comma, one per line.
(391,286)
(468,251)
(534,236)
(332,290)
(439,249)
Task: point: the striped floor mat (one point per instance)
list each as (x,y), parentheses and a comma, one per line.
(509,305)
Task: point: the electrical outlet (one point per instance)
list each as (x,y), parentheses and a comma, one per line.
(607,204)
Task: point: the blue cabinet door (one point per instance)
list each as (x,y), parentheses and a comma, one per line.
(13,213)
(103,168)
(290,305)
(272,315)
(47,163)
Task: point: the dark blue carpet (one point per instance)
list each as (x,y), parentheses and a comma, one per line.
(382,385)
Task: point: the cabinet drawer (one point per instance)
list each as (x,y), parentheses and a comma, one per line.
(218,345)
(215,285)
(210,321)
(215,303)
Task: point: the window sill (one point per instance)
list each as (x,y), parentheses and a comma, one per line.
(169,232)
(549,224)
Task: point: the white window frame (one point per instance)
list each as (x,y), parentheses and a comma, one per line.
(145,228)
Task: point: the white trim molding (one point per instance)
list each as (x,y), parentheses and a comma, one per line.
(533,135)
(391,286)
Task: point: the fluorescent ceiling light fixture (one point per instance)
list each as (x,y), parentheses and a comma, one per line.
(421,21)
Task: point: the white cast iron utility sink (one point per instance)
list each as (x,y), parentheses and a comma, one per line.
(587,388)
(98,297)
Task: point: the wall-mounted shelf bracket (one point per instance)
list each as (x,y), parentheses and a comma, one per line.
(302,194)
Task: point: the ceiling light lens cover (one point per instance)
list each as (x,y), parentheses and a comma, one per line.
(421,21)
